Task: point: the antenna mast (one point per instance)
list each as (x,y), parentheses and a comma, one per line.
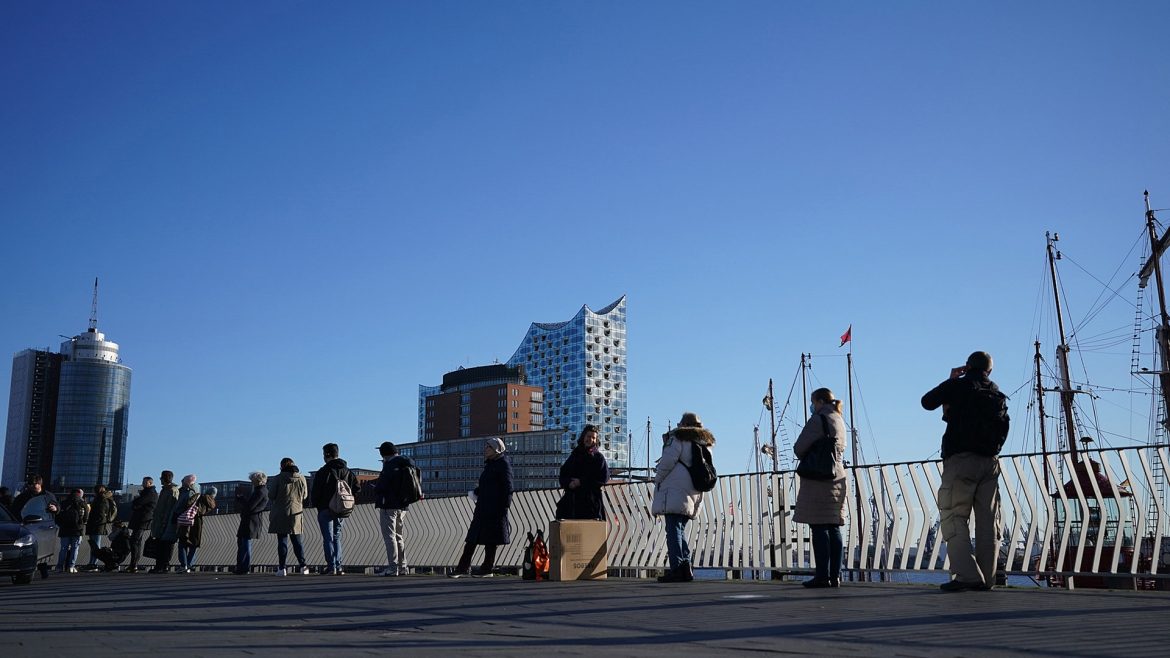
(93,308)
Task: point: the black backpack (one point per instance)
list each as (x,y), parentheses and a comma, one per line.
(985,420)
(406,483)
(703,475)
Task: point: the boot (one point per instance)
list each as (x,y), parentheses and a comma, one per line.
(671,576)
(685,574)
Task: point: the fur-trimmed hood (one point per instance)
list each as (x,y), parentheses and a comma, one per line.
(699,435)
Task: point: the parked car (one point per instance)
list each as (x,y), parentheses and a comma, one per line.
(26,545)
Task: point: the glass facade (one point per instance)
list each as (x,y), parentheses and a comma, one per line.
(581,364)
(93,407)
(32,417)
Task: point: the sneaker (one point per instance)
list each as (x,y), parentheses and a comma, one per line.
(304,570)
(281,572)
(72,569)
(459,574)
(339,572)
(483,574)
(403,572)
(817,583)
(389,573)
(327,571)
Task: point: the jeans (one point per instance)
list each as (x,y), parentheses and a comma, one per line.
(282,549)
(243,555)
(392,524)
(187,555)
(828,550)
(331,537)
(95,545)
(676,540)
(68,556)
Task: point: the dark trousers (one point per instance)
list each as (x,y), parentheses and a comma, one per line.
(489,558)
(163,563)
(136,537)
(827,550)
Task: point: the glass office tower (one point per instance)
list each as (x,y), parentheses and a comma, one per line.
(93,409)
(581,364)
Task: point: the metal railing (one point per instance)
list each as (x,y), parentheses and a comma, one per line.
(1070,527)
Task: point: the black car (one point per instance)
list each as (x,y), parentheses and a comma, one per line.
(25,546)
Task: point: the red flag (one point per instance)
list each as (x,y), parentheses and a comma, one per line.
(847,336)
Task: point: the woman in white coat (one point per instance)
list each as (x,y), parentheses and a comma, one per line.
(675,497)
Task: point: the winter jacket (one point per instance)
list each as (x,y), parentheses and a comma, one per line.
(71,517)
(959,436)
(192,535)
(287,492)
(188,496)
(102,513)
(252,506)
(489,522)
(164,512)
(325,482)
(822,502)
(142,508)
(385,496)
(674,492)
(584,502)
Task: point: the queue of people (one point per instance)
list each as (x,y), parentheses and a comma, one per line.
(973,409)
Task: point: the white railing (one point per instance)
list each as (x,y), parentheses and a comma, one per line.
(746,523)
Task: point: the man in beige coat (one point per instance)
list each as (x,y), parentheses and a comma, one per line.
(288,492)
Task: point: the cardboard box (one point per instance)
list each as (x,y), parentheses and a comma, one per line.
(577,550)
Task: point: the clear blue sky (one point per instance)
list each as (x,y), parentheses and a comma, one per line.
(301,211)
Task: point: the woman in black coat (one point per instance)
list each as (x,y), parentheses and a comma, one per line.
(251,507)
(489,522)
(582,476)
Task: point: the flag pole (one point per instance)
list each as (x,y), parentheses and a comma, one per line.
(848,338)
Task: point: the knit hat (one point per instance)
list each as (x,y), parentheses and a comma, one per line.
(211,491)
(690,419)
(497,444)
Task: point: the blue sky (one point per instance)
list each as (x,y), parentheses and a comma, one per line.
(301,211)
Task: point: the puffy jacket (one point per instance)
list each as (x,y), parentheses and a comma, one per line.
(142,508)
(673,491)
(102,513)
(71,517)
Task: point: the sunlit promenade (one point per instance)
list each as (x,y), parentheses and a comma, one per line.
(208,614)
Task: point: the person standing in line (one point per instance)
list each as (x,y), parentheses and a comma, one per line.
(190,527)
(162,523)
(141,511)
(821,503)
(288,492)
(251,506)
(102,513)
(392,508)
(35,500)
(975,412)
(583,475)
(489,522)
(70,525)
(324,487)
(675,496)
(185,510)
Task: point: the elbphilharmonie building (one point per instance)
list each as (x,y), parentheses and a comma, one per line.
(581,364)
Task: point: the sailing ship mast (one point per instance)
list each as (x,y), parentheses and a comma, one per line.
(1066,390)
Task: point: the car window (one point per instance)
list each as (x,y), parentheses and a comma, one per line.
(6,516)
(36,506)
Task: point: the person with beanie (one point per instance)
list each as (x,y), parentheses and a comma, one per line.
(489,522)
